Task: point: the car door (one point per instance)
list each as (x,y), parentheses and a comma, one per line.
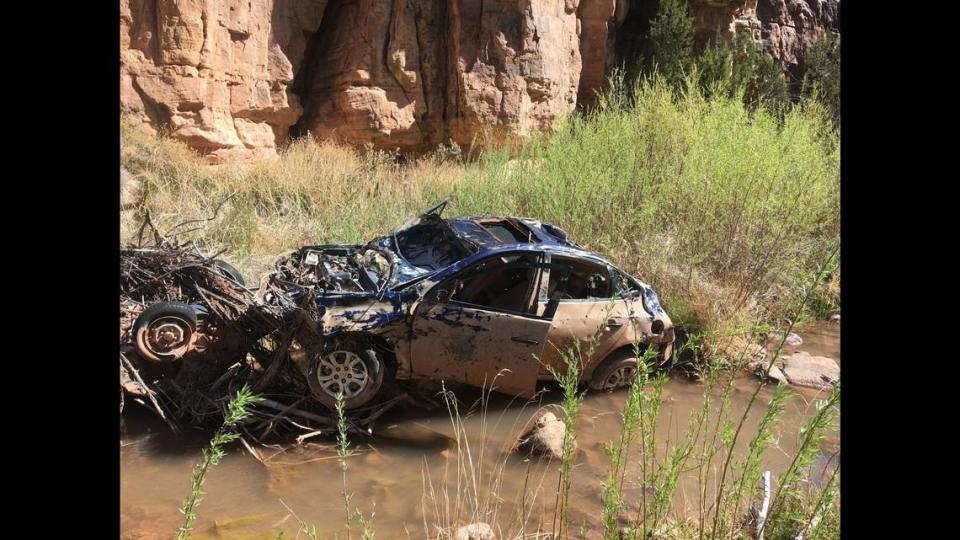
(588,313)
(483,320)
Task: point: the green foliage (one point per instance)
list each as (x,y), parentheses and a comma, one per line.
(757,75)
(739,68)
(788,511)
(715,67)
(569,379)
(765,436)
(237,411)
(671,42)
(611,499)
(343,453)
(821,80)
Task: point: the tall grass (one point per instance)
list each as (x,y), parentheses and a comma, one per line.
(574,360)
(475,493)
(719,207)
(237,411)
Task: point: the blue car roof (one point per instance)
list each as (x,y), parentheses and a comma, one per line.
(470,229)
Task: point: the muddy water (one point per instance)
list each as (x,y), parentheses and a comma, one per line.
(407,475)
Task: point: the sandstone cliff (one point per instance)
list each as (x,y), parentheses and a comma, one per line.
(232,78)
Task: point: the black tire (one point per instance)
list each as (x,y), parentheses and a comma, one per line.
(616,371)
(230,271)
(164,332)
(358,360)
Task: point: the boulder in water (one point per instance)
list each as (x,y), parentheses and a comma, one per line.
(545,437)
(802,369)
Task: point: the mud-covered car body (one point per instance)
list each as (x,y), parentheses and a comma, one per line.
(463,299)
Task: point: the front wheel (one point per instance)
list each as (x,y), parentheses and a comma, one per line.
(352,369)
(165,331)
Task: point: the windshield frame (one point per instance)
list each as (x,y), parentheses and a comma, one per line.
(469,248)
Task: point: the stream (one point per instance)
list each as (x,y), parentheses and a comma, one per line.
(406,473)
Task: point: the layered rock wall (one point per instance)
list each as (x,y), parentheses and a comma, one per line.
(232,78)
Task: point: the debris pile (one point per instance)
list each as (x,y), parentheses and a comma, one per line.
(192,333)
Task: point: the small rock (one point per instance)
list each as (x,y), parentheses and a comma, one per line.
(475,531)
(802,369)
(775,374)
(835,317)
(545,438)
(793,340)
(759,368)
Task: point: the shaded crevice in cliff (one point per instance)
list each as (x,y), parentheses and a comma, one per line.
(429,30)
(318,43)
(451,45)
(632,43)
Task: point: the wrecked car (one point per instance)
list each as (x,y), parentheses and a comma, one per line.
(462,300)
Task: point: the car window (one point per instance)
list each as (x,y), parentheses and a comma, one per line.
(625,284)
(499,283)
(587,280)
(507,232)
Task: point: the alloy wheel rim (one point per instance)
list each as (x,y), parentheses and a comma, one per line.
(622,376)
(342,372)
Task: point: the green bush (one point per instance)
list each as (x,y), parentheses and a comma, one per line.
(822,77)
(671,41)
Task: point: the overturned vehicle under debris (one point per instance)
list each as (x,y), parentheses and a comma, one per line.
(485,301)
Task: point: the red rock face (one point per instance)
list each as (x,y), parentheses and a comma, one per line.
(232,77)
(410,74)
(784,28)
(215,74)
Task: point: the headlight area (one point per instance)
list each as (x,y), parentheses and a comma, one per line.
(656,328)
(651,304)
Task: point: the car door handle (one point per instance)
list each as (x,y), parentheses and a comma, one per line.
(527,341)
(613,323)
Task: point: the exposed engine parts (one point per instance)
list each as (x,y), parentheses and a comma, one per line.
(334,269)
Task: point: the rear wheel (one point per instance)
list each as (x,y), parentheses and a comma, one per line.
(352,368)
(617,371)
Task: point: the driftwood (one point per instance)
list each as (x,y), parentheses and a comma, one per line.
(150,394)
(764,504)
